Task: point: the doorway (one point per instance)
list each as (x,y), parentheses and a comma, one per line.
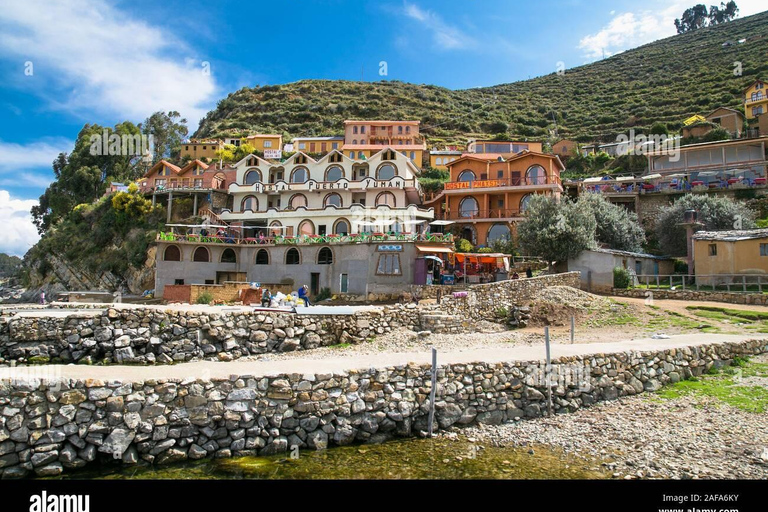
(314,283)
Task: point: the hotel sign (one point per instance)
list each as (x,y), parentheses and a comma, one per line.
(458,185)
(273,154)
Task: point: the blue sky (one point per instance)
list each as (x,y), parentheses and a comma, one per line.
(67,63)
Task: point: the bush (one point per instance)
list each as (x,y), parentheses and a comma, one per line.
(681,267)
(621,277)
(464,245)
(204,298)
(325,293)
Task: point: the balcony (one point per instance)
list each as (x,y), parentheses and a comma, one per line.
(552,180)
(756,100)
(492,214)
(356,238)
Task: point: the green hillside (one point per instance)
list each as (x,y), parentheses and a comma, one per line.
(665,81)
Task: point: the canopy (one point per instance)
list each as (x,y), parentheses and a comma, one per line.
(625,178)
(709,173)
(593,179)
(677,175)
(412,222)
(434,258)
(196,226)
(441,223)
(434,248)
(652,177)
(482,257)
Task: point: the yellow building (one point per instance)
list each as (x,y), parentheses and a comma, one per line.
(441,159)
(755,100)
(721,257)
(266,143)
(197,149)
(315,145)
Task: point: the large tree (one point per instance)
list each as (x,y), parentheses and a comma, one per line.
(715,214)
(168,131)
(556,230)
(697,17)
(616,227)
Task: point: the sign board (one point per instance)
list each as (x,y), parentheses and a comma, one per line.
(273,154)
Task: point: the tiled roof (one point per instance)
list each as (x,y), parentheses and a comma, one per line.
(731,235)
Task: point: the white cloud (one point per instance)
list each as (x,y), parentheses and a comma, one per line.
(34,155)
(445,36)
(631,29)
(19,233)
(104,59)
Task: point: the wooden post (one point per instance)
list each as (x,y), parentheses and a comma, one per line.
(547,372)
(194,207)
(170,205)
(573,328)
(432,393)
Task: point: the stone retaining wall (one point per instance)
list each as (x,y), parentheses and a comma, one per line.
(49,426)
(760,299)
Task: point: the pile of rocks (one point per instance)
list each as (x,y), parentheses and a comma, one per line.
(518,317)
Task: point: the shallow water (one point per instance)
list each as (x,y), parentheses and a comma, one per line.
(400,459)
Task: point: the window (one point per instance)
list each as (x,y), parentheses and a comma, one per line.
(386,198)
(267,143)
(228,256)
(334,145)
(306,228)
(201,254)
(302,145)
(297,200)
(354,141)
(500,174)
(199,183)
(467,175)
(438,161)
(341,227)
(407,129)
(262,257)
(252,176)
(292,257)
(354,130)
(299,175)
(524,202)
(763,249)
(178,281)
(756,111)
(325,256)
(413,155)
(334,173)
(389,265)
(712,249)
(159,183)
(362,129)
(332,200)
(399,129)
(250,203)
(352,154)
(498,232)
(360,155)
(535,175)
(468,207)
(386,172)
(275,228)
(172,253)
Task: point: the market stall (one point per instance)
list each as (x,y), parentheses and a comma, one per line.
(480,267)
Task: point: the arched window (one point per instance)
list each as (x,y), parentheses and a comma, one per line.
(332,200)
(275,228)
(172,253)
(249,203)
(228,256)
(299,175)
(360,155)
(201,254)
(498,232)
(467,175)
(252,176)
(386,198)
(524,202)
(388,155)
(325,256)
(386,172)
(535,175)
(292,257)
(298,200)
(306,228)
(468,207)
(468,233)
(334,173)
(354,141)
(262,257)
(341,227)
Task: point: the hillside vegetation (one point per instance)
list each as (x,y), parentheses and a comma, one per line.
(665,81)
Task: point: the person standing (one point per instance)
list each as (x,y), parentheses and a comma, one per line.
(528,272)
(42,298)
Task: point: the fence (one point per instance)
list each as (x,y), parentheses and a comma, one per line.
(739,283)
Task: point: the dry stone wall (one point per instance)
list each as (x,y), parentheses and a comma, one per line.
(48,426)
(760,299)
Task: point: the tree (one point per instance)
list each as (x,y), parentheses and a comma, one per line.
(693,18)
(168,131)
(659,128)
(726,12)
(715,213)
(616,227)
(556,230)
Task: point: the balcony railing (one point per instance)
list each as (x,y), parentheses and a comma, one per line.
(514,182)
(495,213)
(306,239)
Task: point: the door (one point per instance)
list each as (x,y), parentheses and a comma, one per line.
(344,283)
(314,284)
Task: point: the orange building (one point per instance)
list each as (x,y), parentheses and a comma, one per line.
(363,139)
(487,194)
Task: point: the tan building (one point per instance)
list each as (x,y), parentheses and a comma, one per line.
(564,148)
(729,119)
(726,256)
(198,149)
(504,148)
(316,145)
(441,159)
(362,139)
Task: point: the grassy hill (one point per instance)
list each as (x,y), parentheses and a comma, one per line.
(664,81)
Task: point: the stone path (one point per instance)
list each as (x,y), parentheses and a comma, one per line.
(306,365)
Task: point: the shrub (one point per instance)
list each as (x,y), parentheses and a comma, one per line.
(621,277)
(204,298)
(325,293)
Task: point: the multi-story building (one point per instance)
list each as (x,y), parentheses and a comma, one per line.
(503,148)
(317,144)
(201,148)
(269,144)
(441,159)
(331,195)
(564,148)
(362,139)
(756,99)
(488,194)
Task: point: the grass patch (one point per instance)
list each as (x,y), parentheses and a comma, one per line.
(719,313)
(726,386)
(342,345)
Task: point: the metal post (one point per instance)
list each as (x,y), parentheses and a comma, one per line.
(573,328)
(759,284)
(170,204)
(432,393)
(744,283)
(194,207)
(547,371)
